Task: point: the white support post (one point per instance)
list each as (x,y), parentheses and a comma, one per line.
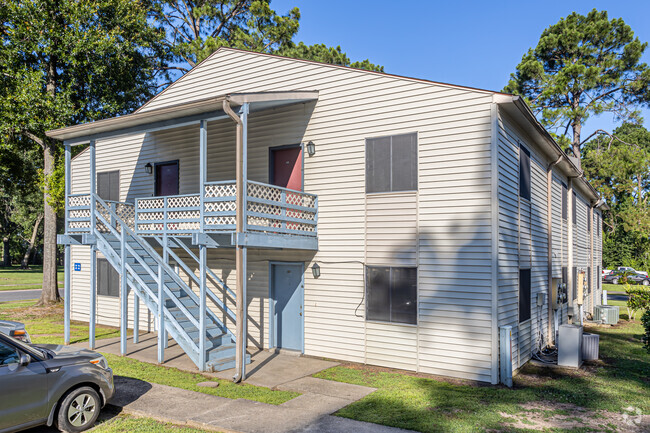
(68,259)
(124,300)
(244,228)
(161,314)
(203,167)
(163,327)
(136,318)
(203,258)
(244,122)
(93,249)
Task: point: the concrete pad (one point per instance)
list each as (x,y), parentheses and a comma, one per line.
(273,369)
(317,403)
(325,387)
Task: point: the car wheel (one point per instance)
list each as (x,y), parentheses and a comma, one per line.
(646,282)
(615,281)
(79,410)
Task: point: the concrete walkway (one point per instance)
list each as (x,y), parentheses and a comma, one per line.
(309,412)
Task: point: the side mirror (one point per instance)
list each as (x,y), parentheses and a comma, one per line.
(24,359)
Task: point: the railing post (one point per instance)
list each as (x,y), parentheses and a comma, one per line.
(283,209)
(165,215)
(202,313)
(93,188)
(123,293)
(113,207)
(136,318)
(135,218)
(68,259)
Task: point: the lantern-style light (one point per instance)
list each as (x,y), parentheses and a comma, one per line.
(148,168)
(311,148)
(315,270)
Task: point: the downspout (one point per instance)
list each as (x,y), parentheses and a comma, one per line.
(549,230)
(239,250)
(570,244)
(591,257)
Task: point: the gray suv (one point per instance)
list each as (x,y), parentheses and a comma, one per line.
(51,385)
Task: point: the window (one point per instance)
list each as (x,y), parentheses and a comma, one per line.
(391,294)
(574,210)
(8,354)
(524,295)
(391,163)
(108,185)
(108,279)
(565,203)
(524,172)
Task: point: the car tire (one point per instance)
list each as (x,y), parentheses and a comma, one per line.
(615,281)
(646,282)
(79,410)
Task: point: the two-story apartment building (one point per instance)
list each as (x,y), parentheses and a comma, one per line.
(337,212)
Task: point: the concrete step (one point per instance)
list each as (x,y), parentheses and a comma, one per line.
(224,363)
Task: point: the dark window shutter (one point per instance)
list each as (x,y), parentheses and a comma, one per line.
(565,204)
(524,294)
(378,169)
(574,288)
(588,221)
(524,173)
(589,278)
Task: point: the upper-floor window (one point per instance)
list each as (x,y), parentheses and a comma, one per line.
(392,163)
(524,172)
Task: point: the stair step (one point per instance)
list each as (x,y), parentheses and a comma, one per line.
(225,363)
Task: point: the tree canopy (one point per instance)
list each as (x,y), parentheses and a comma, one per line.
(197,28)
(583,66)
(64,62)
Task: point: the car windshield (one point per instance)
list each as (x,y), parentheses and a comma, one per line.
(38,353)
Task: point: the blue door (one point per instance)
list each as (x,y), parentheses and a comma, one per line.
(287,295)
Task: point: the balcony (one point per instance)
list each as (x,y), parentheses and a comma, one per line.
(275,217)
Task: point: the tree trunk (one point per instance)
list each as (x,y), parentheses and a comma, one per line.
(577,129)
(50,292)
(25,263)
(6,257)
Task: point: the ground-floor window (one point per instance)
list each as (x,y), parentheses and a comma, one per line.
(108,279)
(391,294)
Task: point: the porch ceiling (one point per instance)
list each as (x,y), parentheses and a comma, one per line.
(178,115)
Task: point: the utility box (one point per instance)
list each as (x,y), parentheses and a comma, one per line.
(569,348)
(558,292)
(505,355)
(580,287)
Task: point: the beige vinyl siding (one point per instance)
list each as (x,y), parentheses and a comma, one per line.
(453,126)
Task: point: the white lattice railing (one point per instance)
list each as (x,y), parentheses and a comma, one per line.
(270,209)
(79,213)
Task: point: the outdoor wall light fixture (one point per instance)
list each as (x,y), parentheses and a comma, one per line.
(311,148)
(148,168)
(315,270)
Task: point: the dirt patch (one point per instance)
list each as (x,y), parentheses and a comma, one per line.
(564,416)
(35,312)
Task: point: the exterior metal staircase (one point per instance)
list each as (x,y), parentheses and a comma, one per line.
(162,290)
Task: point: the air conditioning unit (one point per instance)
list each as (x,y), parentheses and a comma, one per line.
(608,314)
(590,346)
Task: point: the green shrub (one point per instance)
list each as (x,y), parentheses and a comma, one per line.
(638,298)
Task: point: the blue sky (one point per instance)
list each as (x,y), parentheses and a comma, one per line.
(471,43)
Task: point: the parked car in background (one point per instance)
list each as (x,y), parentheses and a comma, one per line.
(51,385)
(632,277)
(15,329)
(606,272)
(627,268)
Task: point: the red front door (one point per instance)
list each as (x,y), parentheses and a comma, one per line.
(286,167)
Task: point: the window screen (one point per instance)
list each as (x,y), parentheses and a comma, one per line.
(391,294)
(108,185)
(565,203)
(574,210)
(524,294)
(391,163)
(108,279)
(524,173)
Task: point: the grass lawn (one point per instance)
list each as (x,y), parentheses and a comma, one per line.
(603,393)
(45,325)
(14,278)
(129,424)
